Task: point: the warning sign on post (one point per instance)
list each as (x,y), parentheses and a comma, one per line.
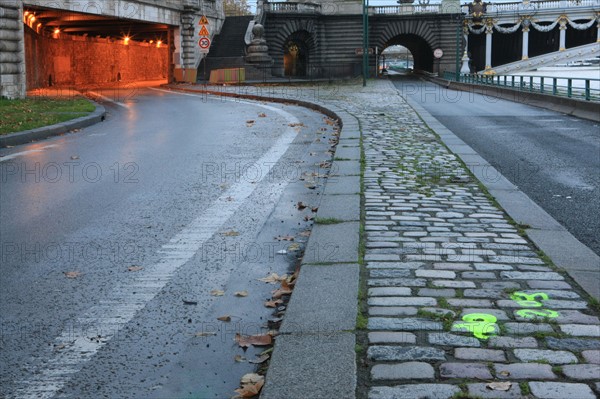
(204,31)
(203,20)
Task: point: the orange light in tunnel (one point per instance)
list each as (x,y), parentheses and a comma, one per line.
(32,18)
(159,43)
(56,31)
(126,40)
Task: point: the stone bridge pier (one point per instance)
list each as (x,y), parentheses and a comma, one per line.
(81,42)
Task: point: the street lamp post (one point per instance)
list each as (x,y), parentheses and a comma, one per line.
(365,41)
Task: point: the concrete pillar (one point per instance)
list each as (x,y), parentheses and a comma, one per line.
(525,52)
(489,29)
(563,33)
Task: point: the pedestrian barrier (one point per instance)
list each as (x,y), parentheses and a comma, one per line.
(576,88)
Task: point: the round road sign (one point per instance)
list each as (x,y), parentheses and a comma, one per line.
(438,53)
(204,43)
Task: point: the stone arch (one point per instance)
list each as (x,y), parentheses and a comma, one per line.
(302,33)
(419,36)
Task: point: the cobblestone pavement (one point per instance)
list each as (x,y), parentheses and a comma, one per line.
(457,297)
(457,300)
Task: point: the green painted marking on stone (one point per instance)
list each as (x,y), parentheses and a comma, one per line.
(533,301)
(481,325)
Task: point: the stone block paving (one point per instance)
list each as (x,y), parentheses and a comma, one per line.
(457,297)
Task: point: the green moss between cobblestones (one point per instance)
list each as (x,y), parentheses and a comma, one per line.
(447,319)
(362,321)
(524,388)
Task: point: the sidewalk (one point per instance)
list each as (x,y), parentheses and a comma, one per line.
(453,299)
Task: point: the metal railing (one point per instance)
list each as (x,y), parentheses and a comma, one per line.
(570,87)
(406,9)
(537,5)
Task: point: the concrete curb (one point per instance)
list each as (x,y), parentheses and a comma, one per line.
(41,133)
(581,109)
(321,315)
(567,253)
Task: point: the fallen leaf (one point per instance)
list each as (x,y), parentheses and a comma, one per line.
(249,123)
(300,124)
(260,360)
(293,247)
(273,304)
(241,293)
(310,186)
(72,274)
(205,334)
(505,373)
(231,233)
(187,302)
(308,218)
(273,278)
(250,389)
(256,340)
(314,209)
(305,233)
(284,238)
(134,268)
(74,157)
(239,358)
(224,318)
(325,165)
(499,386)
(285,289)
(262,115)
(300,206)
(217,293)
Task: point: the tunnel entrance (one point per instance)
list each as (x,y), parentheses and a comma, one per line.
(420,51)
(396,60)
(66,49)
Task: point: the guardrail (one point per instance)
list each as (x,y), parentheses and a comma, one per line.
(577,88)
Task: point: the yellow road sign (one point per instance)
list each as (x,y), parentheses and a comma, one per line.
(203,20)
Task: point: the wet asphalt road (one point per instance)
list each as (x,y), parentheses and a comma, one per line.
(552,157)
(184,191)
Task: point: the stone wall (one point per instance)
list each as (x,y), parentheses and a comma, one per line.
(76,60)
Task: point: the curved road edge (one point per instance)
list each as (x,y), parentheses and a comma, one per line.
(44,132)
(563,249)
(321,315)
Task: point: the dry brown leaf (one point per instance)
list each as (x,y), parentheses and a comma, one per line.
(300,206)
(262,115)
(205,334)
(134,268)
(314,209)
(260,360)
(241,293)
(308,218)
(273,304)
(293,247)
(217,293)
(239,359)
(273,278)
(249,123)
(285,289)
(499,386)
(224,318)
(305,233)
(249,390)
(256,340)
(72,274)
(231,233)
(504,373)
(299,124)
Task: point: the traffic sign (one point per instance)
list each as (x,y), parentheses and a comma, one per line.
(204,31)
(204,43)
(203,20)
(438,53)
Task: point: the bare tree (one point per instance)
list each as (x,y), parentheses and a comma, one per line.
(236,7)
